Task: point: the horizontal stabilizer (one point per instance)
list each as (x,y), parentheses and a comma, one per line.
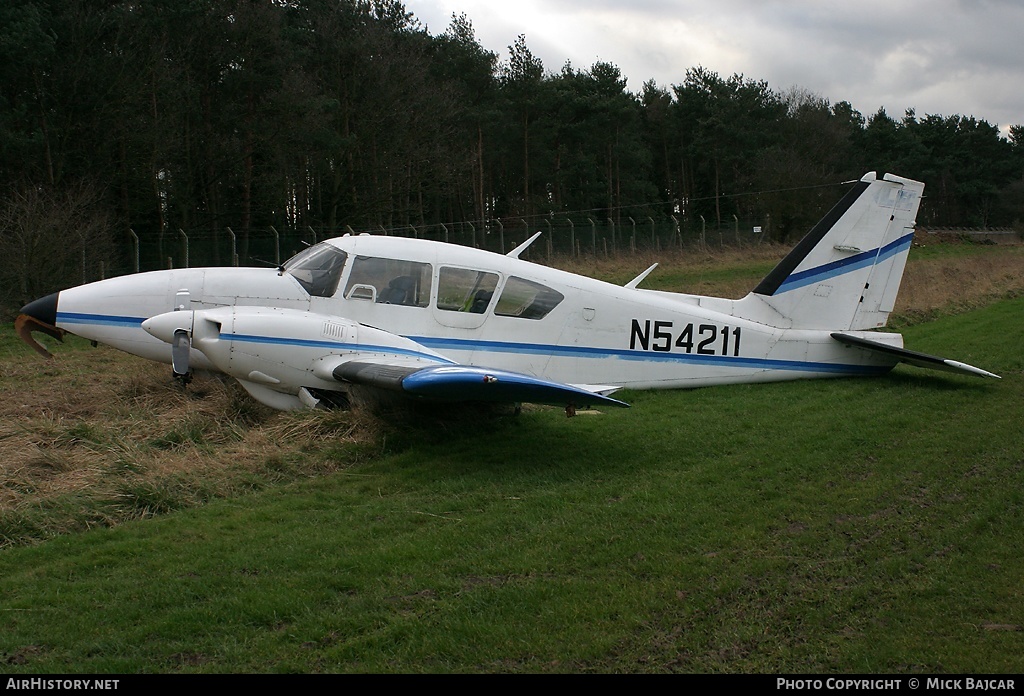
(466,383)
(911,357)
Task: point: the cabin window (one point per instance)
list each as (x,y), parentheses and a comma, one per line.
(526,299)
(389,281)
(463,290)
(317,269)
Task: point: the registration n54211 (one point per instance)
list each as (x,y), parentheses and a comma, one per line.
(700,339)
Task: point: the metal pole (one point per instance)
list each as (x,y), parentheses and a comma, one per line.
(310,227)
(501,229)
(445,228)
(593,236)
(572,237)
(473,228)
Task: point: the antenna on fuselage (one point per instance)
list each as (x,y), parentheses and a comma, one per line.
(636,281)
(522,247)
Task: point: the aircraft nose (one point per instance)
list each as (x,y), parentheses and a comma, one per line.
(43,310)
(40,315)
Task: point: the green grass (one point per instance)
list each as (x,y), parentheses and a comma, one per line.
(829,526)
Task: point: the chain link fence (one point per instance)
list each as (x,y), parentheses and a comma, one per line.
(561,236)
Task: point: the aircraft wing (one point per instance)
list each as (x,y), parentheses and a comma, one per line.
(932,362)
(468,383)
(267,348)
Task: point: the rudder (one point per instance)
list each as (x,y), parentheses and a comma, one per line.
(845,274)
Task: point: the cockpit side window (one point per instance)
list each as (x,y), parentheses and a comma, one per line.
(318,269)
(389,281)
(526,299)
(464,290)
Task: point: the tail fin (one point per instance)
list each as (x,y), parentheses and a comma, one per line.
(845,274)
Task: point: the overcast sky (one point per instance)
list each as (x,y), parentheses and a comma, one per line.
(936,56)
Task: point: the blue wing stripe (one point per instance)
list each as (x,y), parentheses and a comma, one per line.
(335,345)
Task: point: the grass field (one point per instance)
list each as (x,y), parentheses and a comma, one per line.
(828,526)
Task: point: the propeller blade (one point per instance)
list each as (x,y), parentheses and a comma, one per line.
(26,325)
(179,352)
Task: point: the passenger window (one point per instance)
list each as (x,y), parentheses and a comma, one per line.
(318,269)
(389,281)
(526,299)
(463,290)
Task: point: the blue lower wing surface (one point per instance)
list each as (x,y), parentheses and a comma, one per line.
(464,383)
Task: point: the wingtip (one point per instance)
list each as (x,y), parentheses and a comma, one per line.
(971,369)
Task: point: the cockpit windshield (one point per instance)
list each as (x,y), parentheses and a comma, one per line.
(318,269)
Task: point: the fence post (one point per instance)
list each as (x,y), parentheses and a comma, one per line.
(572,237)
(310,228)
(445,228)
(277,246)
(136,238)
(472,228)
(501,229)
(234,247)
(593,236)
(185,237)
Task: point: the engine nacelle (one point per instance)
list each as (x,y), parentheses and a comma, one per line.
(283,350)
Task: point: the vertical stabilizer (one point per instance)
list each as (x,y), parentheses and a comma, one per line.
(846,272)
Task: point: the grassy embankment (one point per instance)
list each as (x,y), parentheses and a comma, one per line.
(849,525)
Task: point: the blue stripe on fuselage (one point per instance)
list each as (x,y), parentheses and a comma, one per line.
(99,319)
(442,344)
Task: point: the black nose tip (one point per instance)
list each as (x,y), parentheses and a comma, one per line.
(43,310)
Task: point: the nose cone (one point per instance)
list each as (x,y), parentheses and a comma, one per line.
(164,326)
(43,310)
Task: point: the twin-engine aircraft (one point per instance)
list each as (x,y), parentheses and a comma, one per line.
(450,323)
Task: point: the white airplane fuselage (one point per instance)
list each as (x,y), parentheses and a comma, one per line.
(599,334)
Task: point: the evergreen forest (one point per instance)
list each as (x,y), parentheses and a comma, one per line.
(142,123)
